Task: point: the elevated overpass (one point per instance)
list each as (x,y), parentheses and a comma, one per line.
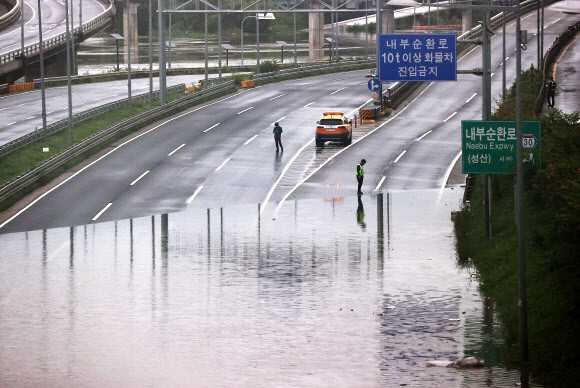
(15,63)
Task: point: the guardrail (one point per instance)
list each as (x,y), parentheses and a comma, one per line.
(60,125)
(88,27)
(102,136)
(312,69)
(11,16)
(549,59)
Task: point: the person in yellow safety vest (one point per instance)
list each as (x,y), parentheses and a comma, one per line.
(360,175)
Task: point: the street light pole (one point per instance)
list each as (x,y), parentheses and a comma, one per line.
(150,54)
(161,27)
(128,40)
(22,30)
(169,37)
(257,43)
(68,71)
(503,70)
(72,24)
(295,56)
(42,88)
(205,47)
(81,16)
(220,41)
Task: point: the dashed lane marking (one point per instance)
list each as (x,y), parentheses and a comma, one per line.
(223,164)
(190,199)
(102,211)
(471,98)
(273,98)
(400,156)
(245,110)
(450,116)
(175,150)
(140,176)
(380,183)
(423,135)
(213,126)
(252,138)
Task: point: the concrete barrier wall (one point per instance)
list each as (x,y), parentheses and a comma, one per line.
(12,15)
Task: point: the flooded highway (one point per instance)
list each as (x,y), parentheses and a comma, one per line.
(333,292)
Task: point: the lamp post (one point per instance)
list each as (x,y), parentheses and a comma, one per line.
(242,29)
(259,16)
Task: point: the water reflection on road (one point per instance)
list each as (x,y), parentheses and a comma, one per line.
(335,292)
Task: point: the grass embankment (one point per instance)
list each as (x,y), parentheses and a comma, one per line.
(552,224)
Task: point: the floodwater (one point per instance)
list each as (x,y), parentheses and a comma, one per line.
(98,54)
(332,292)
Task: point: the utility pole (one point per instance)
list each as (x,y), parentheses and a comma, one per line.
(42,87)
(379,25)
(205,47)
(220,41)
(503,70)
(80,16)
(486,113)
(366,29)
(22,30)
(541,33)
(72,37)
(522,297)
(169,31)
(68,71)
(257,42)
(161,28)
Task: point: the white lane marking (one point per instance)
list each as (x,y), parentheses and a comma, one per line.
(506,58)
(471,98)
(223,164)
(450,116)
(102,211)
(286,167)
(307,105)
(107,154)
(289,193)
(212,127)
(400,155)
(446,176)
(466,54)
(190,199)
(140,176)
(380,183)
(175,150)
(492,75)
(280,119)
(423,135)
(11,123)
(252,138)
(273,98)
(245,110)
(30,118)
(336,91)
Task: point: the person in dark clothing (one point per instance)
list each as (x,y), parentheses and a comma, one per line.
(551,90)
(360,215)
(278,136)
(360,175)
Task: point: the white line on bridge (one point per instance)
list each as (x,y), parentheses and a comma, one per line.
(471,98)
(223,164)
(140,176)
(252,138)
(175,150)
(213,126)
(399,157)
(190,199)
(380,183)
(245,110)
(273,98)
(423,135)
(102,211)
(450,116)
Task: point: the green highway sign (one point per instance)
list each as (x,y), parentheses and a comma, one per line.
(489,147)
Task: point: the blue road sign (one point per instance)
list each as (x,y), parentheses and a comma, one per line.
(374,85)
(417,57)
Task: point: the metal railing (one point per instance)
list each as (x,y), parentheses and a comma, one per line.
(137,121)
(90,26)
(61,125)
(313,68)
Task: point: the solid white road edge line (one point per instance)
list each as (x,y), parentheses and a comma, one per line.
(107,154)
(190,199)
(380,183)
(450,116)
(423,135)
(140,176)
(102,211)
(400,155)
(223,164)
(212,127)
(252,138)
(245,110)
(446,176)
(471,98)
(341,151)
(175,150)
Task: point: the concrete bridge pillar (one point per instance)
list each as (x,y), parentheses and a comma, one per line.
(54,66)
(316,33)
(388,21)
(466,20)
(130,30)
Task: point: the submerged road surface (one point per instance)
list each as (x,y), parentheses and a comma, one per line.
(223,152)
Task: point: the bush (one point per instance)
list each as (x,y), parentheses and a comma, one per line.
(269,66)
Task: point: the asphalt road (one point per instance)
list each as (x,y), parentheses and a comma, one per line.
(53,21)
(223,153)
(567,74)
(22,112)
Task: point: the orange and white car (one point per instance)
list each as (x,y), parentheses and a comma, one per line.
(333,126)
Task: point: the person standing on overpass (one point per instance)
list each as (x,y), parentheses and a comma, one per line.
(278,136)
(551,89)
(360,175)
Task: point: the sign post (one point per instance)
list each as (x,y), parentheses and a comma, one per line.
(417,57)
(490,147)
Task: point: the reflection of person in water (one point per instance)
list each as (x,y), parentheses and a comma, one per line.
(360,215)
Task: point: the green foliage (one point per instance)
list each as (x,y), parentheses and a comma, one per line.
(238,78)
(269,66)
(552,234)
